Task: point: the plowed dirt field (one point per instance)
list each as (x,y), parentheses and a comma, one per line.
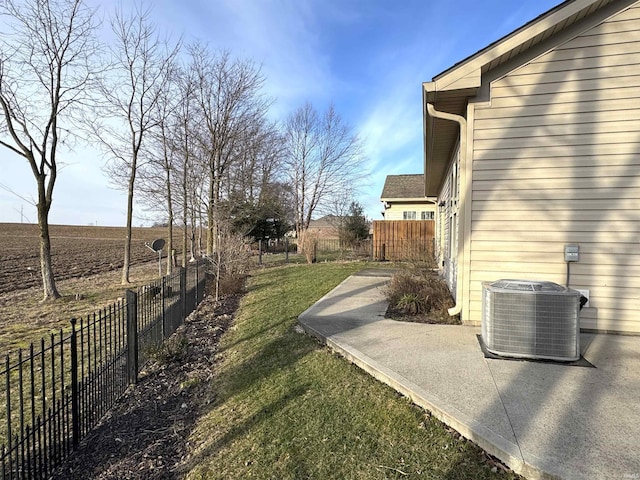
(77,251)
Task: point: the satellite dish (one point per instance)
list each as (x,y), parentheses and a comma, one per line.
(157,245)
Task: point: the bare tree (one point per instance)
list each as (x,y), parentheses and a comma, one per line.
(252,184)
(186,132)
(166,159)
(259,162)
(323,159)
(45,70)
(174,177)
(142,66)
(170,183)
(157,178)
(227,93)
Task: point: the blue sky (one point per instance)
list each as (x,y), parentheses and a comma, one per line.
(368,57)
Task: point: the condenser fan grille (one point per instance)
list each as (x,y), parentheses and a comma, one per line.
(531,319)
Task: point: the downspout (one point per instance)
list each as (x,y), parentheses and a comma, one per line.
(455,310)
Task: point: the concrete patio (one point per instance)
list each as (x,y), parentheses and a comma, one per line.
(544,420)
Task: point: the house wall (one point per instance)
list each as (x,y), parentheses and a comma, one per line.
(556,160)
(395,210)
(448,224)
(324,231)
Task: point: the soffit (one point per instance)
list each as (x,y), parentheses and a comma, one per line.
(510,46)
(451,90)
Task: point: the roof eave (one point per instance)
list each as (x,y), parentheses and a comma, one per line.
(471,67)
(408,199)
(450,90)
(441,136)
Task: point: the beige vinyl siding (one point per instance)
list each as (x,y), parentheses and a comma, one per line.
(395,211)
(556,160)
(449,223)
(442,232)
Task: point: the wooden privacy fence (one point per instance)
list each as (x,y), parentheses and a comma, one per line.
(399,240)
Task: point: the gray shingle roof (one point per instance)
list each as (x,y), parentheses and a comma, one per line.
(328,221)
(403,186)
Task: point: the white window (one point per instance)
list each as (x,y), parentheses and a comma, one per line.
(426,216)
(408,215)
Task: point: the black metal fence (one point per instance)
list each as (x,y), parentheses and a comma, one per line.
(329,248)
(359,248)
(56,391)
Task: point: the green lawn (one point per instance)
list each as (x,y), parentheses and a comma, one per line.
(284,407)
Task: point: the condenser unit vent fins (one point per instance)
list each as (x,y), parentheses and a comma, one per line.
(529,319)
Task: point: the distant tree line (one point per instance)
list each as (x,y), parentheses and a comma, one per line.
(186,130)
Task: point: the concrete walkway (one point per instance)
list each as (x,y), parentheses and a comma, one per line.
(543,420)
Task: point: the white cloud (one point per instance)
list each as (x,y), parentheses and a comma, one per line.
(281,35)
(368,58)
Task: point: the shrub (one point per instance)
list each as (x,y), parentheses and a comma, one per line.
(420,294)
(419,256)
(231,263)
(412,303)
(231,285)
(174,349)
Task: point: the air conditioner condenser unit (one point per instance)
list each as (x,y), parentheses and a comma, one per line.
(531,319)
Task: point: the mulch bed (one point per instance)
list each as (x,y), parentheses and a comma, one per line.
(146,435)
(440,318)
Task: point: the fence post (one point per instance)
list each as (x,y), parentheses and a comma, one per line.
(75,405)
(163,305)
(9,433)
(382,252)
(132,337)
(183,292)
(286,250)
(260,252)
(197,276)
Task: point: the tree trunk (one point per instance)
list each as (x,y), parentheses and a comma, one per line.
(184,240)
(192,239)
(213,216)
(200,233)
(127,242)
(210,208)
(170,257)
(185,213)
(48,280)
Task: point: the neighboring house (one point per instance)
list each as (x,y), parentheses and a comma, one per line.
(325,227)
(404,199)
(539,147)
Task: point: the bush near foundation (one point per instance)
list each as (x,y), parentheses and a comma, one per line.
(419,295)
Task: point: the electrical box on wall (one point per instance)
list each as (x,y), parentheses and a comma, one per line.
(585,293)
(571,253)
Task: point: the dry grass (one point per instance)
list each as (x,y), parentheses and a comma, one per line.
(25,318)
(87,265)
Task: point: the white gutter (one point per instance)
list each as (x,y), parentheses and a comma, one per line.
(463,152)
